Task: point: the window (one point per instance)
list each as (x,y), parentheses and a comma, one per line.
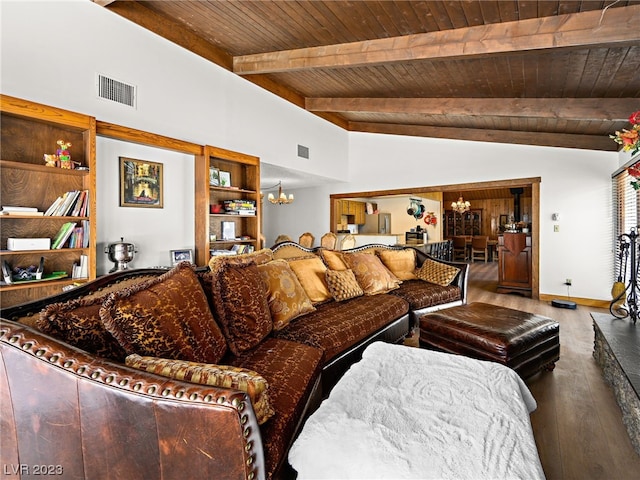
(626,213)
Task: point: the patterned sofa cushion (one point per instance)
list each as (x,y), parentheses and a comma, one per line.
(310,271)
(421,294)
(291,369)
(402,263)
(343,284)
(437,272)
(371,274)
(210,374)
(336,326)
(167,316)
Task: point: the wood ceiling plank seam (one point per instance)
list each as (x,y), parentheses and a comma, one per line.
(335,19)
(508,10)
(305,22)
(473,14)
(385,20)
(421,11)
(404,18)
(501,76)
(332,26)
(270,16)
(229,17)
(440,16)
(593,65)
(490,11)
(626,82)
(456,14)
(577,61)
(527,9)
(612,62)
(547,8)
(569,7)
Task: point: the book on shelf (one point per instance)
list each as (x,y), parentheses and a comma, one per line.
(23,214)
(63,235)
(81,268)
(73,203)
(17,208)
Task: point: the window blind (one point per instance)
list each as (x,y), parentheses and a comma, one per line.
(626,215)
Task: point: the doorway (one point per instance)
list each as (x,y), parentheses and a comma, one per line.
(531,184)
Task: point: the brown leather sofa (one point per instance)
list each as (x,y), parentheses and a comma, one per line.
(69,409)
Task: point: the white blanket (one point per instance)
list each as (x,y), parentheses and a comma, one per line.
(405,412)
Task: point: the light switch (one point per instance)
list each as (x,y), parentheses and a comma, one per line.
(556,228)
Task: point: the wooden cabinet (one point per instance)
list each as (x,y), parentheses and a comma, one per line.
(354,210)
(514,263)
(467,223)
(244,174)
(28,131)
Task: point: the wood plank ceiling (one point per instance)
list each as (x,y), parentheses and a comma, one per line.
(555,73)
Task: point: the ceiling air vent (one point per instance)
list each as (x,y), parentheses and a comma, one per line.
(116,91)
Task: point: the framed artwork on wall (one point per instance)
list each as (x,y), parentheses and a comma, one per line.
(140,183)
(178,256)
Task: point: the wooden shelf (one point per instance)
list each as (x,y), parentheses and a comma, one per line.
(231,190)
(28,131)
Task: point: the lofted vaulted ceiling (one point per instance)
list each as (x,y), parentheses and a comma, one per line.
(555,73)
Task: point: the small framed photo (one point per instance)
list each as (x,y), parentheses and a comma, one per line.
(228,231)
(225,179)
(178,256)
(214,177)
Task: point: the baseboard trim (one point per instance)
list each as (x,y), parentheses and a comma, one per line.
(587,302)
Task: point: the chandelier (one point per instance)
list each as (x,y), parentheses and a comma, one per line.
(460,206)
(281,198)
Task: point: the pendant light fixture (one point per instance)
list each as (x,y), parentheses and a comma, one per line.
(282,198)
(461,205)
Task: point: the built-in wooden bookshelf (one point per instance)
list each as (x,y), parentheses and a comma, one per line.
(28,131)
(244,172)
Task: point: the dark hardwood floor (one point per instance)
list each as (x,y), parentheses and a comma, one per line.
(578,424)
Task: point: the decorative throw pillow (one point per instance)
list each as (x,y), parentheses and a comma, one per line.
(259,257)
(240,303)
(372,275)
(343,285)
(167,316)
(209,374)
(287,299)
(310,273)
(437,272)
(333,260)
(402,263)
(78,323)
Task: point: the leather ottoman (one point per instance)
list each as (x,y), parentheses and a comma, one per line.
(523,341)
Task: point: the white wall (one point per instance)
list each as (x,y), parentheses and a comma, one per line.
(52,50)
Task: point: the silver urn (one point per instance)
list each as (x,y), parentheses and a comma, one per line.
(120,253)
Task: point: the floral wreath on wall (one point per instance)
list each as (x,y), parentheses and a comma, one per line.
(630,141)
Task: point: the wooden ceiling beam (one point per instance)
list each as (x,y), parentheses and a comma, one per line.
(565,140)
(614,109)
(609,27)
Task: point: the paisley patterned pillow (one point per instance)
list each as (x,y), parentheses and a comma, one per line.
(167,316)
(209,374)
(287,299)
(372,275)
(240,304)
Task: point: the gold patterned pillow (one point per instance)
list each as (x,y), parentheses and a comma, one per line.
(402,263)
(240,304)
(209,374)
(372,275)
(167,316)
(78,323)
(333,259)
(437,272)
(310,273)
(287,299)
(343,285)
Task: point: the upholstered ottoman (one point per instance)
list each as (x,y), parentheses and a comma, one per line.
(523,341)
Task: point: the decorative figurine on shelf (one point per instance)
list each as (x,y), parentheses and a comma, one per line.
(64,157)
(50,160)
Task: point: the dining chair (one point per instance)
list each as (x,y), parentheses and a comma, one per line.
(283,238)
(459,248)
(479,248)
(349,241)
(306,240)
(329,240)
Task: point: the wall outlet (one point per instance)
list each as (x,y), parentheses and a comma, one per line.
(568,282)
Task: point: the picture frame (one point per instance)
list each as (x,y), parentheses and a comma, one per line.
(141,183)
(214,177)
(225,179)
(178,256)
(228,231)
(504,219)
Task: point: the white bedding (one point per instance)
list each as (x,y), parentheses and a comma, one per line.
(405,412)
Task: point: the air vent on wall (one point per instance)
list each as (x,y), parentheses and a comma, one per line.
(303,151)
(116,91)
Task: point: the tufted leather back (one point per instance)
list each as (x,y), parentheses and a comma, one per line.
(88,418)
